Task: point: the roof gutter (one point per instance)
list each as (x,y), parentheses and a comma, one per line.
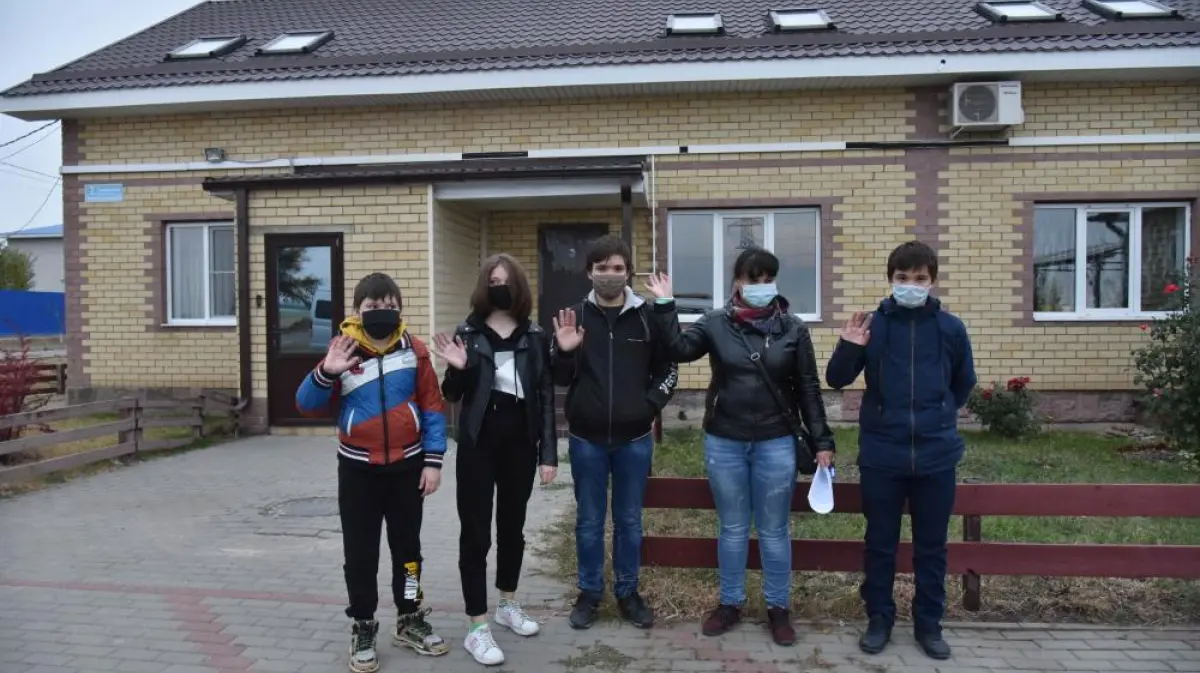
(592,80)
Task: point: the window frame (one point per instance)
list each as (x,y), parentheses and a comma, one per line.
(1135,210)
(720,284)
(222,45)
(994,11)
(209,320)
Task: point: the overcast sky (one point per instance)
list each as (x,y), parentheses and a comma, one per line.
(36,36)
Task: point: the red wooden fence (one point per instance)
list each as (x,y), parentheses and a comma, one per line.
(972,557)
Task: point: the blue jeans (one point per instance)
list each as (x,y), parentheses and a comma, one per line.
(753,479)
(930,500)
(591,465)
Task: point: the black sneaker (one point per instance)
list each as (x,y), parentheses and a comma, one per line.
(583,615)
(362,646)
(876,637)
(934,646)
(634,610)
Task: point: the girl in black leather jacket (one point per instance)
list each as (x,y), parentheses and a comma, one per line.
(750,451)
(498,366)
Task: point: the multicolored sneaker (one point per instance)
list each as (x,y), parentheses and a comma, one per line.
(414,632)
(362,646)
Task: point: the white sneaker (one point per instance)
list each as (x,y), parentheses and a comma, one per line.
(512,616)
(483,647)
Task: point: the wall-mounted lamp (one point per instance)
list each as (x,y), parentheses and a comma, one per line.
(214,155)
(258,301)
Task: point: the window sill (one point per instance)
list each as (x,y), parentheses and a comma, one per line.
(199,324)
(1098,317)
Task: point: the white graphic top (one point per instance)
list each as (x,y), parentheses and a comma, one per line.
(507,380)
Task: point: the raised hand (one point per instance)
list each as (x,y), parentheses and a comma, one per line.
(453,351)
(566,332)
(857,329)
(340,357)
(659,285)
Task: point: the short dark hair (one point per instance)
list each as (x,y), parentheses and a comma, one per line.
(911,256)
(518,285)
(754,263)
(377,286)
(608,246)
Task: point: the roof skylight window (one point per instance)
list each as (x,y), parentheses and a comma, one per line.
(1018,10)
(1130,9)
(786,20)
(208,47)
(695,24)
(298,42)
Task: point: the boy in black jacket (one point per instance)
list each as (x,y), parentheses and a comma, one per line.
(919,370)
(620,377)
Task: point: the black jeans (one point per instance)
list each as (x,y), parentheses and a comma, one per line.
(366,498)
(501,464)
(930,501)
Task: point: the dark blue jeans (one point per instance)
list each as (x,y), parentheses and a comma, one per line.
(930,501)
(591,465)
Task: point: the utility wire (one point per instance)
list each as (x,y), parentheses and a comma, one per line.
(29,146)
(28,170)
(20,138)
(37,212)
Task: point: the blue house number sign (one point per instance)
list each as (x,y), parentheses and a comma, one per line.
(107,193)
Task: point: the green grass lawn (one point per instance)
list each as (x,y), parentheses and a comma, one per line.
(1056,457)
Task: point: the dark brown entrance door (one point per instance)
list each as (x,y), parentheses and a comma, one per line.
(562,278)
(304,308)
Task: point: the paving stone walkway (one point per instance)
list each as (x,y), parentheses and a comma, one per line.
(228,559)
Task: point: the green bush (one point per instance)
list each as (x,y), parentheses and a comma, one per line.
(1168,368)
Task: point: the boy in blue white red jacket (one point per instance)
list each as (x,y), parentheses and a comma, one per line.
(391,440)
(919,371)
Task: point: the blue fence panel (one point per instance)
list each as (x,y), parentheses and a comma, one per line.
(32,313)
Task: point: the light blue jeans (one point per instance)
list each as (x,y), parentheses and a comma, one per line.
(753,480)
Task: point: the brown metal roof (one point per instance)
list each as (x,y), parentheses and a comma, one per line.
(389,37)
(497,168)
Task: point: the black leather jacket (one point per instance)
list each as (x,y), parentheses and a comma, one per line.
(738,406)
(473,386)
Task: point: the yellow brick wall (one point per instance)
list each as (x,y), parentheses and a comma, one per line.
(883,114)
(388,232)
(981,249)
(457,252)
(517,234)
(1097,109)
(870,220)
(500,126)
(124,345)
(388,226)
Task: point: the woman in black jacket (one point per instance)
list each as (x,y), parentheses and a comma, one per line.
(749,445)
(498,365)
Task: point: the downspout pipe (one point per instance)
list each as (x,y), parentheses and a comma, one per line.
(242,203)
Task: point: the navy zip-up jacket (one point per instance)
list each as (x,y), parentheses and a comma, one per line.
(919,371)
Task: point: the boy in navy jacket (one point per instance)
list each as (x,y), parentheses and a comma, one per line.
(919,371)
(391,441)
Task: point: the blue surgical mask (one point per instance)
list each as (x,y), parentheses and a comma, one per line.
(759,294)
(910,296)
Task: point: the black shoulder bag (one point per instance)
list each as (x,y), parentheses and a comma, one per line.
(806,447)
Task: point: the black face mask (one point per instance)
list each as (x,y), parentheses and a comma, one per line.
(500,297)
(381,323)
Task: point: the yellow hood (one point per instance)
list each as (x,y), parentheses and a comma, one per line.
(353,328)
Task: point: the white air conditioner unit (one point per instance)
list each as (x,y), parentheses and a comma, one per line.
(984,106)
